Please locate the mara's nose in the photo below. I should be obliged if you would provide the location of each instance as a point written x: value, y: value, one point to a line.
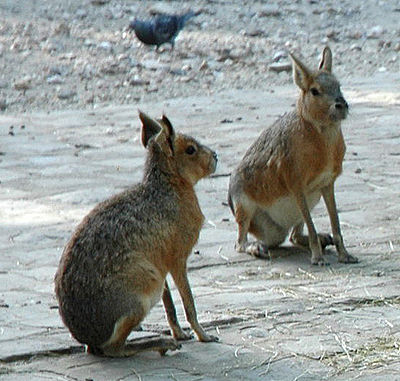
x: 341, y: 103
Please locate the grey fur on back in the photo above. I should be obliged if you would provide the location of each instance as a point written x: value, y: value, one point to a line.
x: 272, y: 142
x: 273, y: 139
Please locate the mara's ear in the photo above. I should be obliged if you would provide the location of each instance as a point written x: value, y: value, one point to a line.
x: 150, y: 128
x: 168, y: 124
x: 165, y: 139
x: 301, y: 74
x: 326, y: 60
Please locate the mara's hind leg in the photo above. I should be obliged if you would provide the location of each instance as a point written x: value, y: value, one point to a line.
x: 267, y: 230
x: 299, y: 239
x: 116, y: 347
x: 242, y: 245
x: 268, y: 233
x: 251, y: 219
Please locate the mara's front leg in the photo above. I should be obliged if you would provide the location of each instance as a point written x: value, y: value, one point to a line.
x: 177, y: 332
x: 182, y: 283
x: 328, y: 193
x: 314, y: 242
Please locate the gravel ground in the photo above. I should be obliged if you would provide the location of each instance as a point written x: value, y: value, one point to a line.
x: 80, y: 54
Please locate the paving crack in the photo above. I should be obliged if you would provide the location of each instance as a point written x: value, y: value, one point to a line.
x: 74, y: 349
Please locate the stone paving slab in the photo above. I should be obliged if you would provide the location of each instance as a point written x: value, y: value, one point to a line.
x: 281, y: 319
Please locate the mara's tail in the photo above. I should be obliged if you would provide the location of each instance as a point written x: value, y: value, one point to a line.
x: 230, y: 203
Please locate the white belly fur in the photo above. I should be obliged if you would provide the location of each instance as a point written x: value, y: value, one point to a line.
x: 285, y: 211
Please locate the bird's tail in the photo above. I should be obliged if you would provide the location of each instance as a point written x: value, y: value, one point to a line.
x: 188, y: 15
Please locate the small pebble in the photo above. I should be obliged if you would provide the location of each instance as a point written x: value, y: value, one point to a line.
x: 204, y: 65
x: 23, y: 83
x: 99, y: 2
x: 269, y: 11
x: 66, y: 94
x: 137, y: 81
x: 375, y: 32
x: 55, y: 80
x: 106, y: 46
x: 3, y: 104
x: 280, y: 67
x: 81, y: 13
x: 279, y: 55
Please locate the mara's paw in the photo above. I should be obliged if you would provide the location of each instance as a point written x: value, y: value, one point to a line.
x: 168, y: 345
x: 240, y: 248
x: 319, y: 261
x: 183, y: 336
x: 325, y: 239
x: 347, y: 258
x: 258, y: 249
x: 206, y: 338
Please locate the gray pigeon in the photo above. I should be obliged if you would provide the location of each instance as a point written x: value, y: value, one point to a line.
x: 161, y: 28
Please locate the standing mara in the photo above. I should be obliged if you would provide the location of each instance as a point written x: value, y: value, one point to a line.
x: 290, y: 166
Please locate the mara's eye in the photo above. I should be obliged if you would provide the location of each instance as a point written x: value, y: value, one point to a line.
x: 190, y: 150
x: 315, y: 92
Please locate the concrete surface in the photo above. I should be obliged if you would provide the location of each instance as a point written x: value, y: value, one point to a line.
x: 281, y: 319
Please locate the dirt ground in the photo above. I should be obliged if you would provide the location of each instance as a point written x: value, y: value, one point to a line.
x: 79, y: 54
x: 72, y: 79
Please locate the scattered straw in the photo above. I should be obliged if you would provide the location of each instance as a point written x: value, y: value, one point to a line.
x: 372, y: 355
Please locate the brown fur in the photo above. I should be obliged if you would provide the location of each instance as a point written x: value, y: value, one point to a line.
x: 113, y: 269
x: 287, y: 169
